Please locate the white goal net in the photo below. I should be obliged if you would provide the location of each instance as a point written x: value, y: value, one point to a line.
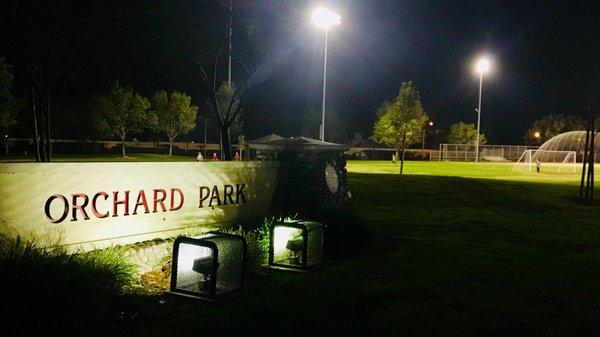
x: 548, y: 161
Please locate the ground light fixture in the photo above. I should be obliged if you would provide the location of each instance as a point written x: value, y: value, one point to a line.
x: 296, y: 245
x: 208, y: 267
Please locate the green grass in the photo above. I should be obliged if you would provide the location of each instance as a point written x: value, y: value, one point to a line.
x: 135, y: 157
x: 447, y: 249
x: 457, y: 249
x: 504, y: 171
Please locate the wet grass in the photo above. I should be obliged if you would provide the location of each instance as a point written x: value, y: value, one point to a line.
x: 457, y: 250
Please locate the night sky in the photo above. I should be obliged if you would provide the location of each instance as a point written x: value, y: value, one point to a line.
x: 543, y: 54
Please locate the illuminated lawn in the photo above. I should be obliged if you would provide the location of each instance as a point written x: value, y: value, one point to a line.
x: 504, y: 171
x: 458, y: 249
x: 135, y: 157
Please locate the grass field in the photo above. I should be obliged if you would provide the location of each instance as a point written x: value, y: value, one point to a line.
x: 457, y: 249
x: 135, y: 157
x: 504, y: 171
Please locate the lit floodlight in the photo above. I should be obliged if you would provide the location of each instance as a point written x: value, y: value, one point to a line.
x: 483, y: 66
x: 324, y: 18
x: 537, y: 134
x: 208, y: 266
x: 296, y: 245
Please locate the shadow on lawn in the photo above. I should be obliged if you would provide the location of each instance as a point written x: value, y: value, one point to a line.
x: 417, y: 255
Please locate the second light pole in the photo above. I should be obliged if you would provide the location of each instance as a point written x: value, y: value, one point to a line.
x: 324, y: 18
x: 483, y: 65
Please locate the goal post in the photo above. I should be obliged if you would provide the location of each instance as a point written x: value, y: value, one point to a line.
x: 550, y: 161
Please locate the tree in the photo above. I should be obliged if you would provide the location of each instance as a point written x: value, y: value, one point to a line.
x: 121, y: 111
x: 400, y: 121
x: 229, y: 87
x: 227, y: 102
x: 242, y: 143
x: 9, y: 104
x: 176, y: 116
x: 550, y: 126
x: 464, y: 133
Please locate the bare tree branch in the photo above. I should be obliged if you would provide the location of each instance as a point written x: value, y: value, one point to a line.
x: 238, y: 108
x: 216, y: 68
x: 245, y: 69
x: 204, y: 76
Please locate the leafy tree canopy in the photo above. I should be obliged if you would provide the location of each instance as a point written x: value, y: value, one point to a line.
x: 176, y: 115
x: 552, y: 125
x: 224, y: 100
x: 400, y: 121
x: 121, y: 111
x: 9, y: 104
x: 464, y: 133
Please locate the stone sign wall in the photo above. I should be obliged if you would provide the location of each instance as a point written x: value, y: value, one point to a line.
x: 94, y: 205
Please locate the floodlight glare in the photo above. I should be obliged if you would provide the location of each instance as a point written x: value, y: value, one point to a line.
x: 209, y: 266
x: 324, y: 18
x: 483, y: 66
x: 296, y: 245
x: 537, y: 134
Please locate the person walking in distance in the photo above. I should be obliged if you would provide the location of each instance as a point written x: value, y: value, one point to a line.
x: 538, y: 165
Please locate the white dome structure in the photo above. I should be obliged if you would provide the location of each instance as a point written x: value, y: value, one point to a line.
x: 570, y: 141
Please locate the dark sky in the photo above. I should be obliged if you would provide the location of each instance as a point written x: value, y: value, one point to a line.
x: 544, y: 53
x: 540, y: 53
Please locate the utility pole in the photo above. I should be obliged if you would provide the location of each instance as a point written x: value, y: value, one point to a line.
x: 230, y: 42
x: 478, y: 118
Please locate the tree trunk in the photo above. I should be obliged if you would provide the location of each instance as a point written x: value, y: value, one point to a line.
x: 402, y: 159
x: 402, y: 162
x: 225, y: 143
x: 123, y: 147
x: 585, y: 159
x: 43, y: 131
x: 36, y: 136
x: 170, y: 147
x: 48, y: 142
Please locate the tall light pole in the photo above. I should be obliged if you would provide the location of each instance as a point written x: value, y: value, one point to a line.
x: 230, y: 19
x: 428, y: 124
x: 483, y: 66
x: 324, y: 18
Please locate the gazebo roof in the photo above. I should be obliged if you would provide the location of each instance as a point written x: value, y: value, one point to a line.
x: 266, y: 138
x: 300, y: 143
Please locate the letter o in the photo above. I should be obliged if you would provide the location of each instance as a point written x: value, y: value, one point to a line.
x: 65, y: 212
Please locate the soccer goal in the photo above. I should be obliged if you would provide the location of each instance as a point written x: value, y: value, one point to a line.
x: 550, y: 161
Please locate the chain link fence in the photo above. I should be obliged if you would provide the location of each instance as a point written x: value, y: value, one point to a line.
x: 490, y: 153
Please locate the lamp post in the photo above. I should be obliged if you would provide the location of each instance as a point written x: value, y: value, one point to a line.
x: 537, y: 136
x: 324, y: 18
x: 483, y: 66
x: 428, y: 124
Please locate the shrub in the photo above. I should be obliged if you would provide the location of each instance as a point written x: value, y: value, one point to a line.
x: 49, y: 291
